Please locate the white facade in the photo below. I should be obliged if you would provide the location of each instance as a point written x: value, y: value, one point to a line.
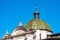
x: 39, y: 34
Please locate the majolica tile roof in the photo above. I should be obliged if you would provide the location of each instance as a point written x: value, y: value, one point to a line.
x: 38, y: 24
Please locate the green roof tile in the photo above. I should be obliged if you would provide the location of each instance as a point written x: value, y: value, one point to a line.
x: 39, y: 24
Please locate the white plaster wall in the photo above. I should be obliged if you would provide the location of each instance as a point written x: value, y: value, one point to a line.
x: 44, y: 34
x: 30, y: 36
x: 37, y: 34
x: 49, y: 33
x: 19, y: 38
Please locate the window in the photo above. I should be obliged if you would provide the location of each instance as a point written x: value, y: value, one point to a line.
x: 34, y: 37
x: 40, y: 36
x: 26, y: 38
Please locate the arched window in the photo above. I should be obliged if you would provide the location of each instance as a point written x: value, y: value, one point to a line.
x: 40, y: 36
x: 34, y: 37
x: 26, y: 38
x: 47, y: 35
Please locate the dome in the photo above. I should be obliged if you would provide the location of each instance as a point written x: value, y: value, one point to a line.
x: 19, y: 30
x: 37, y: 23
x: 7, y: 35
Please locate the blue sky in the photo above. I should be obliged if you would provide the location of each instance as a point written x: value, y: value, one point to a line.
x: 14, y: 11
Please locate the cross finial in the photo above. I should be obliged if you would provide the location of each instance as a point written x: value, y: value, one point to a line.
x: 20, y: 24
x: 36, y: 6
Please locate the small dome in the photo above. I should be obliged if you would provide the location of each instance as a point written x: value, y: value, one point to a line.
x: 38, y: 24
x: 7, y: 35
x: 19, y: 30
